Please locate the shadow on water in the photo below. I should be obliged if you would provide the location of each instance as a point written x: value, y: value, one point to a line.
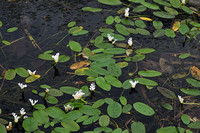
x: 46, y: 21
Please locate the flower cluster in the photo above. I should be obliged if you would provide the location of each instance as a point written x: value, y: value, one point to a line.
x: 31, y: 73
x: 133, y: 84
x: 16, y: 117
x: 68, y: 107
x: 22, y: 86
x: 111, y: 39
x: 78, y: 95
x: 92, y: 86
x: 33, y: 102
x: 56, y: 57
x: 126, y: 13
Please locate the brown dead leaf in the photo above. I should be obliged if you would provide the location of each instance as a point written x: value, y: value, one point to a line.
x: 195, y: 72
x: 80, y: 64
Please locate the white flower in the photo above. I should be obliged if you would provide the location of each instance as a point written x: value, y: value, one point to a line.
x: 130, y: 41
x: 33, y: 102
x: 78, y: 95
x: 133, y: 84
x: 31, y: 73
x: 68, y: 108
x: 92, y: 86
x: 183, y: 2
x: 9, y: 127
x: 110, y: 38
x: 126, y: 14
x: 113, y: 42
x: 56, y: 57
x: 25, y: 117
x: 180, y: 99
x: 22, y: 86
x: 22, y: 111
x: 16, y: 118
x: 47, y: 90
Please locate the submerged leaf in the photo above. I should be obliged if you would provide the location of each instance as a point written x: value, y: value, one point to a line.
x: 167, y: 93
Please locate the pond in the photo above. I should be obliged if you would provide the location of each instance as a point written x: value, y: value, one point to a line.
x: 100, y: 66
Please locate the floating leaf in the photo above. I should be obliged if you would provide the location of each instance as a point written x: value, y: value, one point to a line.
x: 63, y: 58
x: 75, y: 29
x: 163, y: 14
x: 51, y: 99
x: 55, y: 112
x: 114, y: 51
x: 127, y: 22
x: 99, y: 70
x: 80, y: 64
x: 71, y: 24
x: 98, y: 103
x: 139, y: 9
x: 138, y: 127
x: 103, y: 84
x: 71, y: 125
x: 195, y: 72
x: 144, y: 50
x: 6, y: 42
x: 162, y: 2
x: 143, y: 109
x: 12, y: 29
x: 142, y: 31
x: 114, y: 110
x: 82, y: 118
x: 113, y: 81
x: 167, y: 93
x: 73, y: 115
x: 60, y: 130
x: 171, y: 10
x: 45, y: 56
x: 90, y: 73
x: 117, y: 19
x: 123, y: 100
x: 3, y: 129
x: 41, y: 116
x: 126, y: 84
x: 175, y: 3
x: 90, y: 120
x: 114, y: 69
x: 122, y: 64
x: 81, y: 32
x: 110, y: 2
x: 195, y: 125
x: 106, y: 30
x: 159, y: 33
x: 91, y: 9
x: 122, y: 29
x: 187, y: 10
x: 185, y: 119
x: 170, y: 129
x: 126, y: 108
x: 170, y: 33
x: 88, y: 110
x: 68, y: 89
x: 179, y: 75
x: 193, y: 82
x: 147, y: 82
x: 150, y: 6
x: 104, y: 120
x: 157, y: 24
x: 30, y: 124
x: 184, y: 29
x: 176, y: 25
x: 22, y: 72
x: 140, y: 24
x: 75, y: 46
x: 10, y: 74
x: 1, y: 24
x: 193, y: 92
x: 183, y: 56
x: 167, y: 106
x: 109, y: 20
x: 138, y: 57
x: 32, y: 78
x: 55, y: 92
x: 149, y: 73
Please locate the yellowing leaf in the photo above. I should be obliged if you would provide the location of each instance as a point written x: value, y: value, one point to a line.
x: 179, y: 75
x: 81, y: 71
x: 80, y: 64
x: 32, y: 78
x: 145, y: 18
x: 176, y: 25
x: 195, y: 72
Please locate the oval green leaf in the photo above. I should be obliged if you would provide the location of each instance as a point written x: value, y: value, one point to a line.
x: 110, y: 2
x: 147, y: 82
x: 104, y: 120
x: 114, y: 110
x: 103, y: 84
x: 143, y: 109
x: 10, y: 74
x: 30, y: 124
x: 149, y: 73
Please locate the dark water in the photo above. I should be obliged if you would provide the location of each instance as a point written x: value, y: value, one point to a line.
x: 44, y: 18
